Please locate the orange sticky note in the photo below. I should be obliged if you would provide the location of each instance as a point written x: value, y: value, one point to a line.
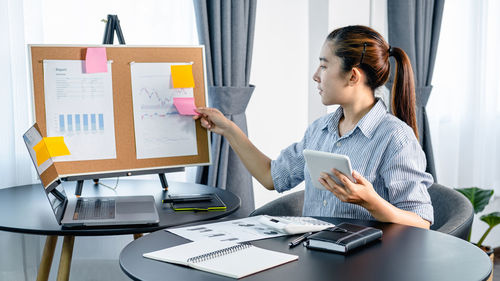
x: 185, y: 106
x: 56, y: 146
x: 50, y: 147
x: 96, y: 60
x: 42, y: 154
x: 182, y: 76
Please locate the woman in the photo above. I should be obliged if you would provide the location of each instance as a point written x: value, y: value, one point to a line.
x: 388, y: 162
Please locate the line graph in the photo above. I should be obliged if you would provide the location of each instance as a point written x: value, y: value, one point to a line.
x: 159, y: 129
x: 154, y: 99
x: 158, y: 115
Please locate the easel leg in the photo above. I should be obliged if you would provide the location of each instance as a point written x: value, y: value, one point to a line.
x: 137, y: 236
x: 163, y: 181
x: 66, y: 255
x: 47, y: 256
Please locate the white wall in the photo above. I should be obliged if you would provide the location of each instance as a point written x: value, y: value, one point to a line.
x: 288, y: 38
x: 277, y: 115
x: 146, y: 22
x: 372, y: 13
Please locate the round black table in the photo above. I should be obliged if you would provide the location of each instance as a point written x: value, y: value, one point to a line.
x: 405, y: 253
x: 29, y: 212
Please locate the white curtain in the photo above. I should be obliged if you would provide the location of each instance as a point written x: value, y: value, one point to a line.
x: 464, y: 109
x: 148, y: 22
x: 19, y: 257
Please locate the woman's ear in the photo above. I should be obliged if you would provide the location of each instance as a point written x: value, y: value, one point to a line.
x: 355, y: 76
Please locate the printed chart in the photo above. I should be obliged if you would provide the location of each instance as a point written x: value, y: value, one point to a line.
x: 240, y: 230
x: 93, y: 122
x: 159, y: 129
x: 79, y: 107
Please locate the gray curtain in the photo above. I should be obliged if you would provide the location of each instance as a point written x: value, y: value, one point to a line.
x: 226, y: 28
x: 414, y: 26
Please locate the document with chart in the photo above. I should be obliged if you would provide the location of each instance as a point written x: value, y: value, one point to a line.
x: 160, y: 131
x: 79, y: 107
x: 240, y: 230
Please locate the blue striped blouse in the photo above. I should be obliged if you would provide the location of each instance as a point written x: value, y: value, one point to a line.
x: 381, y: 147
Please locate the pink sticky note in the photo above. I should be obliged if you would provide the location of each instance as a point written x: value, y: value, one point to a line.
x: 96, y: 60
x: 185, y: 106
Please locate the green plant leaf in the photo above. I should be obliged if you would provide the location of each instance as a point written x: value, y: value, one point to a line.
x: 477, y: 196
x: 492, y: 219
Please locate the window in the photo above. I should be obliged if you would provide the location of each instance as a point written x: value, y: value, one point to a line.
x: 148, y: 22
x: 464, y: 106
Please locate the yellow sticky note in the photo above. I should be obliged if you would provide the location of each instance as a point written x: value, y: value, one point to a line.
x: 50, y: 147
x: 56, y: 146
x: 182, y: 76
x: 42, y: 154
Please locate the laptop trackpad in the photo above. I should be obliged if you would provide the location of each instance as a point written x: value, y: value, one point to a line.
x: 134, y: 207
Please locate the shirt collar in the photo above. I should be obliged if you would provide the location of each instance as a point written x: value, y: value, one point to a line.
x: 367, y: 124
x: 332, y: 121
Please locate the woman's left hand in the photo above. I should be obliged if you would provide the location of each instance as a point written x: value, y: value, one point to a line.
x: 360, y: 193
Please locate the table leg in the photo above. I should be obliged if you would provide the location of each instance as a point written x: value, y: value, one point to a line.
x: 137, y: 236
x: 66, y: 255
x: 47, y: 256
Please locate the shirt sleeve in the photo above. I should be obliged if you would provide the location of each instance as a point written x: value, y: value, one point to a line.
x: 406, y: 180
x: 287, y: 170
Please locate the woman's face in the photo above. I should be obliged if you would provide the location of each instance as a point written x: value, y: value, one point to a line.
x: 332, y: 81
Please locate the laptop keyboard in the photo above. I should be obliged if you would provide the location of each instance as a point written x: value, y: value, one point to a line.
x: 94, y: 208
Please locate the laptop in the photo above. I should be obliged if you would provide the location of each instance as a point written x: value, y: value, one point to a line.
x: 92, y: 211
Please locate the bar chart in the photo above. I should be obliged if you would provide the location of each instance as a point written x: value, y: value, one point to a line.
x: 79, y: 107
x: 77, y: 123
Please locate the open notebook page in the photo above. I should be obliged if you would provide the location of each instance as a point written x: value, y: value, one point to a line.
x: 224, y: 258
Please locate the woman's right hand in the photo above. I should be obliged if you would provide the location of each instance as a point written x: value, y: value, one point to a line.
x: 213, y: 120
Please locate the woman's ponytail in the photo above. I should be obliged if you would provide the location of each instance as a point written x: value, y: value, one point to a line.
x: 403, y: 89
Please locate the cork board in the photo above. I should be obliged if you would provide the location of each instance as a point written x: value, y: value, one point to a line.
x: 126, y: 162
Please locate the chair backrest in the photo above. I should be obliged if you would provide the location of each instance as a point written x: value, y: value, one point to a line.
x: 287, y: 205
x: 453, y: 212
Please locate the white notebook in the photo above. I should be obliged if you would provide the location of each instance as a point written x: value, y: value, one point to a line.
x: 223, y: 258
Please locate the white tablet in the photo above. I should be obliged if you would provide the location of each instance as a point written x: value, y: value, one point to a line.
x: 320, y: 161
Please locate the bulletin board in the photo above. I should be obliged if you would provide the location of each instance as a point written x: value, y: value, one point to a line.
x: 126, y: 161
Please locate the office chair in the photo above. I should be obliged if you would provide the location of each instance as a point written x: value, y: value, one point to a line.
x: 287, y: 205
x: 453, y: 213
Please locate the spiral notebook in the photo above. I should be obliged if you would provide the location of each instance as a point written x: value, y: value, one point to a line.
x: 223, y: 258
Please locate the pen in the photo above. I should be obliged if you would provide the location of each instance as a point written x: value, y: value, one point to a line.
x: 299, y: 240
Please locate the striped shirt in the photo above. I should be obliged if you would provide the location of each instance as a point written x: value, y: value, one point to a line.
x: 381, y: 147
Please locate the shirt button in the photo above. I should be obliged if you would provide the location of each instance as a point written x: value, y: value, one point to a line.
x: 338, y: 144
x: 324, y: 202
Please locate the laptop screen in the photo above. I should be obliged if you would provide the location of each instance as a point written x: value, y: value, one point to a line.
x: 31, y: 138
x: 56, y: 195
x: 57, y: 198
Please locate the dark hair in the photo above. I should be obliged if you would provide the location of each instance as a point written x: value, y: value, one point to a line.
x: 362, y: 47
